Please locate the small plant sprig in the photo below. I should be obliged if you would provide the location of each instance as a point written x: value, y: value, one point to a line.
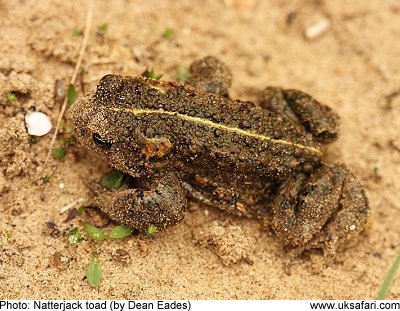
x: 77, y: 32
x: 94, y: 232
x: 151, y: 74
x: 151, y: 230
x: 97, y: 234
x: 45, y: 179
x: 102, y: 28
x: 112, y: 180
x: 11, y: 97
x: 183, y: 73
x: 74, y: 236
x: 71, y: 94
x: 58, y: 153
x: 67, y: 140
x: 387, y: 282
x: 168, y: 33
x: 94, y: 272
x: 120, y: 232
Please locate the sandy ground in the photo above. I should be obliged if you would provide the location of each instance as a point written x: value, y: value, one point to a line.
x: 352, y: 67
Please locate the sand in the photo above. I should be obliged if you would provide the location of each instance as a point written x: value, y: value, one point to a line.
x: 352, y: 66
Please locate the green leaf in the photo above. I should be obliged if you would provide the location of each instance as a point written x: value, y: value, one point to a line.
x: 71, y: 94
x: 11, y: 97
x: 74, y: 236
x: 77, y: 32
x: 387, y: 282
x: 151, y: 229
x: 80, y: 210
x: 94, y: 272
x: 64, y: 126
x: 183, y: 73
x: 63, y: 143
x: 120, y: 232
x: 58, y: 153
x: 112, y: 180
x: 102, y: 28
x: 151, y: 74
x: 94, y: 232
x: 46, y: 179
x: 168, y: 33
x: 389, y: 103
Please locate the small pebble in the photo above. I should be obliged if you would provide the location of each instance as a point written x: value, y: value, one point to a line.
x: 37, y: 123
x: 61, y: 185
x: 317, y: 30
x: 352, y: 227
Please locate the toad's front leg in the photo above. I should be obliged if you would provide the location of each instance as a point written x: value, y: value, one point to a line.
x: 160, y: 202
x: 210, y: 75
x: 324, y: 210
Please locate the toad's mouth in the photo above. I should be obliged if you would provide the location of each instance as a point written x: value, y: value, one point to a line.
x: 219, y: 126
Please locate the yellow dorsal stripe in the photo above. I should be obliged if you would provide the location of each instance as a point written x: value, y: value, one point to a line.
x: 139, y: 111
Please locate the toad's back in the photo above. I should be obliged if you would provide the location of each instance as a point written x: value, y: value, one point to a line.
x: 208, y: 135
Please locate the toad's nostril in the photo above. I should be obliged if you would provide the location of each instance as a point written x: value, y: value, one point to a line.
x: 101, y: 142
x: 108, y: 78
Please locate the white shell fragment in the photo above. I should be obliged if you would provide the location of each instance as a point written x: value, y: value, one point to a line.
x: 37, y: 123
x: 317, y: 30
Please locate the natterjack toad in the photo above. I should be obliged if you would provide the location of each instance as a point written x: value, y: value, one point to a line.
x: 259, y: 160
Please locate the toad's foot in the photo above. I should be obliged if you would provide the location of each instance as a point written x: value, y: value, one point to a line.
x: 300, y: 108
x: 159, y: 202
x: 324, y: 210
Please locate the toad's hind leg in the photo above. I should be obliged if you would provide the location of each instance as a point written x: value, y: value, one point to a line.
x: 300, y: 108
x: 324, y: 210
x: 210, y: 75
x: 159, y: 202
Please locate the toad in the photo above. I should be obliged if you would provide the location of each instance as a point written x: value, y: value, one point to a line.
x: 261, y: 160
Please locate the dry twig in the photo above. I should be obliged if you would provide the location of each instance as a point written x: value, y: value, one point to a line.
x: 73, y: 77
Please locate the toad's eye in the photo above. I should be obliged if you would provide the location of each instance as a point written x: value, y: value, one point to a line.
x: 99, y: 141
